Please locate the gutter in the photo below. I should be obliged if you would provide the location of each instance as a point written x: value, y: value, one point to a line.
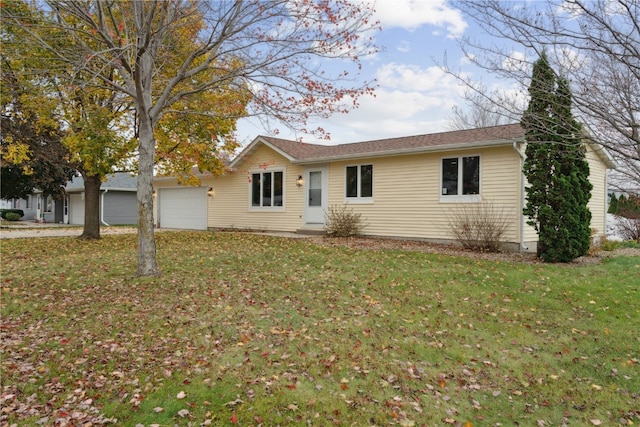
x: 102, y: 207
x: 522, y: 191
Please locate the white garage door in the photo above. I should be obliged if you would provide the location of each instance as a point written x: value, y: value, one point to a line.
x: 76, y: 209
x: 183, y: 208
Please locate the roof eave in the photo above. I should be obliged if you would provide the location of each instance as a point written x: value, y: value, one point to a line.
x: 604, y: 155
x: 408, y: 151
x: 102, y: 189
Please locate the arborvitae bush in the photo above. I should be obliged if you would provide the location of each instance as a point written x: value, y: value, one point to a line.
x: 556, y: 169
x: 613, y: 204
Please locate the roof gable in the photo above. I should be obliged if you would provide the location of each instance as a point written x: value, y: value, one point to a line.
x: 300, y: 152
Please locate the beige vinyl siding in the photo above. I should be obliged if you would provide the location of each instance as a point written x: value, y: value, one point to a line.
x: 406, y: 202
x: 406, y: 192
x: 598, y: 202
x: 530, y: 235
x: 230, y: 207
x: 501, y: 185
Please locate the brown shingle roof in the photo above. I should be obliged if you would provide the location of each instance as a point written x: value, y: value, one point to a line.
x: 300, y: 152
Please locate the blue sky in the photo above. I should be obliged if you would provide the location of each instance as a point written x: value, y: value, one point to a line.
x: 414, y: 96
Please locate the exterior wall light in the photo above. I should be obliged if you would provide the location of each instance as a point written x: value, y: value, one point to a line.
x: 299, y: 181
x: 211, y: 192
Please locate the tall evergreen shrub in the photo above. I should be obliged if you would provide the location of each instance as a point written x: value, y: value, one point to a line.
x: 556, y: 169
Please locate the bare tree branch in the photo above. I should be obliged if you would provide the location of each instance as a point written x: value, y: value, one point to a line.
x: 594, y: 44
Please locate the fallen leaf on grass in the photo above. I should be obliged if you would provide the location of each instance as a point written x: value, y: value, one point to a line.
x: 183, y: 413
x: 158, y: 409
x: 234, y: 402
x: 181, y: 395
x: 596, y: 422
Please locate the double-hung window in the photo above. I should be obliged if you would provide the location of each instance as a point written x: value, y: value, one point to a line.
x: 359, y: 183
x: 267, y: 189
x: 460, y: 179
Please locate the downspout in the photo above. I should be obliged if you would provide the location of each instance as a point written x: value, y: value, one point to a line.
x: 521, y: 202
x: 102, y: 207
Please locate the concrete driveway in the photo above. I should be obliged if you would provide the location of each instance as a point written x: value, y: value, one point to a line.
x: 28, y: 230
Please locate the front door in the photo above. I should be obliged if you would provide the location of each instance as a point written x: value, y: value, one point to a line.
x: 316, y: 196
x: 65, y: 210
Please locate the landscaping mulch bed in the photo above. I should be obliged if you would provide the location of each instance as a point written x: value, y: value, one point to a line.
x: 454, y: 250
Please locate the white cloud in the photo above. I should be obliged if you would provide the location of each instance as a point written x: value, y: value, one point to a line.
x: 517, y: 61
x: 413, y: 78
x: 411, y: 14
x: 403, y: 47
x: 570, y: 60
x: 569, y: 8
x: 410, y: 100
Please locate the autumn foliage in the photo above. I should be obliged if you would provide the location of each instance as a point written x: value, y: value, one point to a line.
x: 190, y: 69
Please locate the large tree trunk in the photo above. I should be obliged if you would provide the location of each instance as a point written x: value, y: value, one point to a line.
x: 147, y: 264
x: 143, y: 76
x: 92, y: 185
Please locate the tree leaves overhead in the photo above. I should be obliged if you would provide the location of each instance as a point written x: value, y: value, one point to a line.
x: 33, y: 156
x: 160, y: 54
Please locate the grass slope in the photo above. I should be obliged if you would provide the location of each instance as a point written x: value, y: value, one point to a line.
x: 254, y: 330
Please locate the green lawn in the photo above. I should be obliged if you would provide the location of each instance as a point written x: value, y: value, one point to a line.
x: 255, y: 330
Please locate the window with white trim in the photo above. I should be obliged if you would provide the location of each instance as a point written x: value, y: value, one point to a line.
x: 359, y: 182
x: 267, y: 189
x: 460, y: 177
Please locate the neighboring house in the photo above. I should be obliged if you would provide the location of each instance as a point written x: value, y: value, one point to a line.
x: 27, y: 205
x: 118, y: 201
x: 404, y: 187
x: 118, y: 204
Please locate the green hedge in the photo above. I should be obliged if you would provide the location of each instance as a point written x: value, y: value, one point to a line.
x: 4, y: 212
x: 12, y: 216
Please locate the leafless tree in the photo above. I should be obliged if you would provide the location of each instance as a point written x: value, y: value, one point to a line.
x: 595, y: 44
x: 480, y: 112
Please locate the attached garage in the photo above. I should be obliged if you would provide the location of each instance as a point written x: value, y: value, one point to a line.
x: 184, y: 207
